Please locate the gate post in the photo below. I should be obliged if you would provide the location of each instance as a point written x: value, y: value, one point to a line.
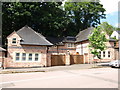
x: 68, y: 58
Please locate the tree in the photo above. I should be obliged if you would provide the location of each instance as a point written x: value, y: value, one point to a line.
x: 49, y: 19
x: 44, y: 17
x: 84, y: 14
x: 97, y: 41
x: 105, y: 26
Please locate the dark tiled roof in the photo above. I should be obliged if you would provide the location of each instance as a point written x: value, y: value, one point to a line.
x: 69, y: 39
x: 30, y: 37
x: 55, y: 40
x: 83, y: 35
x: 1, y: 49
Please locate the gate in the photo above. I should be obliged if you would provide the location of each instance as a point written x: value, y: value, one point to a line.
x: 58, y: 60
x: 76, y: 59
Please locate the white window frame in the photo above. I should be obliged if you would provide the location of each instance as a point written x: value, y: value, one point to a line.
x: 27, y: 57
x: 23, y: 57
x: 17, y: 56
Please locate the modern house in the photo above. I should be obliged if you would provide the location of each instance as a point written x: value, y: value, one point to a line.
x: 27, y: 48
x: 116, y: 35
x: 62, y: 45
x: 83, y: 49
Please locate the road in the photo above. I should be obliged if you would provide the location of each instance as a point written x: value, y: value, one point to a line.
x: 84, y: 78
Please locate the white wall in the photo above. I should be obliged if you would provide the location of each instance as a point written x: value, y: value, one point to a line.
x: 115, y: 34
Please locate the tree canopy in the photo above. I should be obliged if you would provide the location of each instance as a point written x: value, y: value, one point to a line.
x: 105, y: 26
x: 85, y: 14
x: 49, y: 19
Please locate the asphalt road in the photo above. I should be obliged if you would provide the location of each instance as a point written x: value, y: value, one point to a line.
x: 84, y: 78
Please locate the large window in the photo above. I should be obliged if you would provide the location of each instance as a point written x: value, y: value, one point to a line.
x: 17, y: 56
x: 26, y: 57
x: 14, y: 40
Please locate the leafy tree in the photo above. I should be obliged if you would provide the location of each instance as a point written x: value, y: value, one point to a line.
x: 49, y: 19
x: 97, y: 41
x: 44, y: 17
x: 107, y: 28
x: 84, y: 14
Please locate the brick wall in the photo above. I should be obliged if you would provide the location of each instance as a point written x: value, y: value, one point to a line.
x: 17, y: 48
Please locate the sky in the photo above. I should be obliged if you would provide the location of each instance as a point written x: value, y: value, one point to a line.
x: 112, y: 10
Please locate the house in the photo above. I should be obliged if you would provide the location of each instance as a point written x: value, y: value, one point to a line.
x: 83, y: 49
x: 116, y: 35
x: 27, y: 48
x: 62, y: 45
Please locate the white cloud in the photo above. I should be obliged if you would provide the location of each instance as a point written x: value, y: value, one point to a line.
x: 110, y: 5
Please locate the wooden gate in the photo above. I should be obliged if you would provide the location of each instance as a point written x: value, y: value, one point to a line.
x: 76, y: 59
x: 58, y: 60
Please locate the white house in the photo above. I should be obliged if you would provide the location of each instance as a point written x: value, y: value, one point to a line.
x: 115, y: 34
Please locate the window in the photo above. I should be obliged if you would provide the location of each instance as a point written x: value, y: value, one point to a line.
x: 27, y: 57
x: 70, y: 45
x: 17, y: 57
x: 108, y: 53
x: 30, y: 57
x: 36, y: 57
x: 99, y: 54
x: 14, y: 40
x: 103, y: 53
x: 23, y: 56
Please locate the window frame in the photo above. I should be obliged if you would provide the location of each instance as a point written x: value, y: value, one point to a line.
x: 27, y: 57
x: 14, y: 41
x: 17, y: 56
x: 70, y: 45
x: 24, y: 57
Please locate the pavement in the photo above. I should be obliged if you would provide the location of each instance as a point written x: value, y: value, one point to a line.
x: 53, y: 68
x: 80, y: 78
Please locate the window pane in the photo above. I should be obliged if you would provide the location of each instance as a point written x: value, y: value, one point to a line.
x: 36, y: 57
x: 23, y: 56
x: 103, y: 53
x: 108, y: 53
x: 17, y: 54
x: 14, y: 40
x: 30, y: 57
x: 17, y: 57
x: 100, y: 54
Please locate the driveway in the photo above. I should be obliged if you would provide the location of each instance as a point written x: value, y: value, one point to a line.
x: 83, y: 78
